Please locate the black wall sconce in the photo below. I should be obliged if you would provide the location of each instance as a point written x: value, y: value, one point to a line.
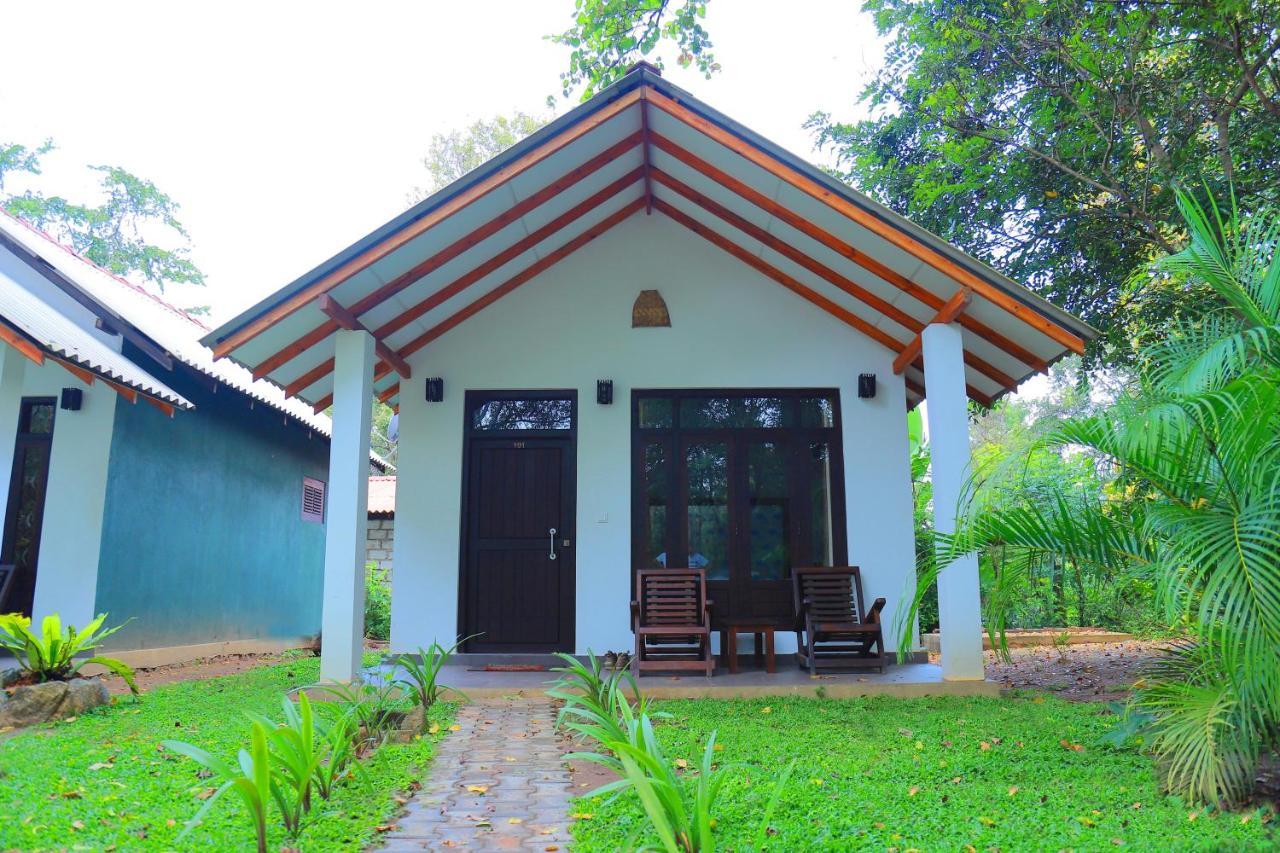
x: 72, y: 398
x: 866, y: 385
x: 435, y: 390
x: 604, y: 392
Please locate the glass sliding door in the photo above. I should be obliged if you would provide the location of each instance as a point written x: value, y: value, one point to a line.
x: 745, y: 484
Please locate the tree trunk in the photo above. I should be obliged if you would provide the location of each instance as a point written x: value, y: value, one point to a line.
x: 1059, y: 594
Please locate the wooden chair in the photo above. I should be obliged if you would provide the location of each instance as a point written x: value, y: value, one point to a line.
x: 671, y: 618
x: 833, y: 631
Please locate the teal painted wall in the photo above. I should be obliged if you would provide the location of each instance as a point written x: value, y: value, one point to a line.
x: 202, y: 537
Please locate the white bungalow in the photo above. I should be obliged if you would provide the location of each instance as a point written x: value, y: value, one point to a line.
x: 644, y: 336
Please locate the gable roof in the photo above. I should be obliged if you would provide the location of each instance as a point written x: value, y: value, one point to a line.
x: 147, y: 320
x: 38, y: 329
x: 643, y: 143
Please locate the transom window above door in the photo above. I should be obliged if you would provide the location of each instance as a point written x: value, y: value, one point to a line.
x: 744, y: 484
x: 499, y: 413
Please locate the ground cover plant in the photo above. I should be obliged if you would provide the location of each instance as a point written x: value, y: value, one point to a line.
x: 104, y: 779
x: 932, y: 774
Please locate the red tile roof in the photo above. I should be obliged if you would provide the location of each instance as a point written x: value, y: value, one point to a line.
x: 382, y: 497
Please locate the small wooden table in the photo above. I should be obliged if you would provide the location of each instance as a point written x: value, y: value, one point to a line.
x: 763, y: 634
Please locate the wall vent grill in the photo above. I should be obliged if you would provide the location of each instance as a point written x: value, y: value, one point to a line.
x: 312, y: 500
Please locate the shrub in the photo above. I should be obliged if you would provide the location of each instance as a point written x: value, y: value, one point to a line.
x: 377, y: 603
x: 51, y: 654
x: 421, y: 674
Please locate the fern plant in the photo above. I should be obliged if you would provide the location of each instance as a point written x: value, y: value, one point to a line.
x: 58, y: 653
x: 1194, y: 507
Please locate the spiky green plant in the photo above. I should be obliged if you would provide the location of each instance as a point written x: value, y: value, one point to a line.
x: 52, y: 654
x: 296, y: 753
x: 1194, y: 506
x: 419, y: 674
x: 250, y: 778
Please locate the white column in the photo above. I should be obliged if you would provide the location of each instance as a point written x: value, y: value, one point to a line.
x: 946, y: 409
x: 347, y: 517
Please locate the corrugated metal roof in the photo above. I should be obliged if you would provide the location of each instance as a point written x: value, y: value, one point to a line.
x: 173, y: 329
x: 54, y: 333
x: 427, y: 270
x: 382, y: 496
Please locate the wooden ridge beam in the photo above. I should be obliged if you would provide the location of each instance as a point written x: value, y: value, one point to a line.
x: 432, y: 217
x: 770, y: 271
x: 523, y: 276
x: 644, y: 141
x: 344, y: 318
x: 844, y: 249
x: 953, y: 308
x: 453, y: 250
x: 837, y: 202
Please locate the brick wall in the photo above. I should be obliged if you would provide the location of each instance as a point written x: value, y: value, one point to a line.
x: 379, y: 544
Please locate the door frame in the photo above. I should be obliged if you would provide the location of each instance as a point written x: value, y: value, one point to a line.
x: 470, y: 436
x: 23, y: 438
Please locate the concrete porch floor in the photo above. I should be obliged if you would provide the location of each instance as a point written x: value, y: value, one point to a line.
x: 905, y: 680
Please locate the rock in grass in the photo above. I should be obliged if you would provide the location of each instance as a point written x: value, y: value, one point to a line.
x: 36, y: 703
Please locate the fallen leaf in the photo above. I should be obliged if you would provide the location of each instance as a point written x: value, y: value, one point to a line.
x: 71, y: 795
x: 766, y: 710
x: 1074, y: 747
x: 582, y: 815
x: 682, y: 763
x: 986, y: 821
x: 913, y: 790
x: 1085, y: 821
x: 170, y: 822
x: 69, y: 719
x: 385, y: 827
x: 514, y: 820
x: 1119, y: 842
x: 455, y: 728
x: 478, y: 789
x: 549, y: 830
x: 815, y: 781
x: 77, y: 824
x: 508, y: 758
x: 718, y: 747
x: 551, y: 847
x: 100, y: 765
x: 984, y: 746
x: 1136, y: 806
x: 878, y: 825
x: 1193, y: 815
x: 1013, y: 790
x: 433, y: 729
x: 206, y: 793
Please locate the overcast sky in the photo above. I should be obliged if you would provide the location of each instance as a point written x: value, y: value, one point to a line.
x: 287, y: 131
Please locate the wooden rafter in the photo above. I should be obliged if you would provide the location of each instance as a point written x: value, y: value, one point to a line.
x: 792, y: 284
x: 161, y: 405
x: 18, y: 341
x: 344, y: 318
x: 453, y: 250
x: 868, y: 220
x: 842, y: 248
x: 953, y: 308
x: 478, y: 273
x: 831, y: 276
x: 523, y: 276
x: 530, y: 272
x: 130, y: 394
x: 437, y: 214
x: 84, y: 375
x: 389, y: 392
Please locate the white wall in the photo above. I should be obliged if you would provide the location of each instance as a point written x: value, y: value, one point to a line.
x: 731, y: 327
x: 71, y: 538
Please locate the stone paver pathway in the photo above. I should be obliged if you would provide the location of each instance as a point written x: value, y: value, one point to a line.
x: 496, y: 784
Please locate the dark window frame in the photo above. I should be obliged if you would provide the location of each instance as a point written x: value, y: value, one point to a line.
x: 674, y: 439
x: 474, y: 399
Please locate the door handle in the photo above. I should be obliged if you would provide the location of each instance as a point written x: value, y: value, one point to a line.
x: 552, y: 534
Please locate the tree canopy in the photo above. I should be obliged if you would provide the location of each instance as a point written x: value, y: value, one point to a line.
x: 607, y: 36
x: 119, y: 233
x: 1044, y: 137
x: 451, y: 155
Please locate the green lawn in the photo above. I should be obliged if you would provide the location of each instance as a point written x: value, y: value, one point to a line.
x: 928, y: 774
x: 103, y: 780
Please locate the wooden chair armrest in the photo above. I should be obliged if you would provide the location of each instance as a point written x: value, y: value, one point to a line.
x: 873, y: 615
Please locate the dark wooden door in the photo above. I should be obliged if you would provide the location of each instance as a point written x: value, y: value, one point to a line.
x: 518, y: 570
x: 24, y: 517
